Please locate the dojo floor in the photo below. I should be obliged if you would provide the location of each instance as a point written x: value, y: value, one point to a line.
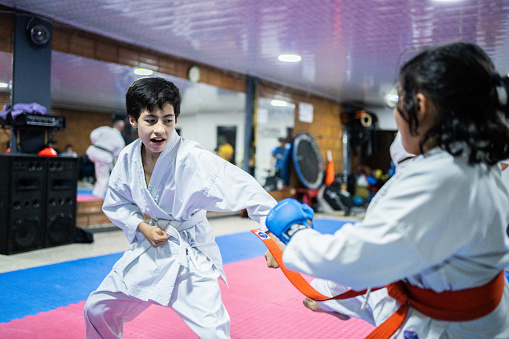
x: 43, y: 292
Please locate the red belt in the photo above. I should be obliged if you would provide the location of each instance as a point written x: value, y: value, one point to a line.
x: 463, y: 305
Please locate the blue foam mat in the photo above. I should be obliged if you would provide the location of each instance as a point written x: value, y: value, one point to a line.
x: 41, y: 289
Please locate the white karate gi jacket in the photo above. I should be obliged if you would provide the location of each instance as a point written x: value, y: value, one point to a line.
x: 439, y: 224
x: 186, y: 182
x: 108, y: 138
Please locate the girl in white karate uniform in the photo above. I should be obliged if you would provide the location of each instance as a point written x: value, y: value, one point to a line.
x: 440, y: 226
x: 174, y: 260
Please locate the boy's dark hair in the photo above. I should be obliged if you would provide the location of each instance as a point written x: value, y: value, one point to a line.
x: 148, y: 93
x: 470, y: 97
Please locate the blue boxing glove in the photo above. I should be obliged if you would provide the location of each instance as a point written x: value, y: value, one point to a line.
x: 287, y: 218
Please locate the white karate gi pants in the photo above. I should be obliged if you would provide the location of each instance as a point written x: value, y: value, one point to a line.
x: 102, y: 175
x: 196, y: 298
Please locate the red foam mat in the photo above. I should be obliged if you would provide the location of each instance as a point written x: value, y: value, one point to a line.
x: 260, y: 301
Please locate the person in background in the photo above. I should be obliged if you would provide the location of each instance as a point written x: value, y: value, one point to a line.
x: 224, y: 149
x: 435, y: 237
x: 53, y: 144
x: 107, y: 142
x: 69, y: 152
x: 278, y: 157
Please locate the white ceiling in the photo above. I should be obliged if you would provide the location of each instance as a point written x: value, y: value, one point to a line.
x: 351, y: 49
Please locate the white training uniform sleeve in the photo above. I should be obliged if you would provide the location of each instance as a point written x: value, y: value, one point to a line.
x: 121, y: 211
x: 216, y: 185
x: 235, y: 189
x: 119, y: 203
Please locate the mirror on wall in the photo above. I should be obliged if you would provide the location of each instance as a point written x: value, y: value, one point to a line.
x: 93, y: 85
x: 275, y: 120
x: 207, y: 113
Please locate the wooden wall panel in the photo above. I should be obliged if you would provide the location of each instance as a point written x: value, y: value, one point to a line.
x: 106, y: 52
x: 81, y: 46
x: 6, y: 30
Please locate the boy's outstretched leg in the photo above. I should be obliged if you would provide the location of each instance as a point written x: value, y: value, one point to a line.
x: 197, y: 298
x: 109, y: 307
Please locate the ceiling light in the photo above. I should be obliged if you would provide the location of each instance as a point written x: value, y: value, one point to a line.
x: 279, y: 103
x: 143, y: 71
x: 289, y: 58
x: 3, y: 85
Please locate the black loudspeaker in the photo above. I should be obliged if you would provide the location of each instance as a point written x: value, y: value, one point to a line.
x: 37, y: 202
x: 23, y: 213
x: 31, y: 140
x: 62, y: 181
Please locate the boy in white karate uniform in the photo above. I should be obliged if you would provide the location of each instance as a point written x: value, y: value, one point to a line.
x: 174, y: 260
x: 436, y: 234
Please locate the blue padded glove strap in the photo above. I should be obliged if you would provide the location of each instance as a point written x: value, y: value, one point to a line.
x: 288, y: 217
x: 290, y: 231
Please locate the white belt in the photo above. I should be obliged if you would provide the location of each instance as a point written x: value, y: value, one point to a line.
x: 180, y: 225
x: 173, y: 228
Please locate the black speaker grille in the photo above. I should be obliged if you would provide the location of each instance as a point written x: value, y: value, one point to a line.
x: 24, y: 233
x: 61, y: 201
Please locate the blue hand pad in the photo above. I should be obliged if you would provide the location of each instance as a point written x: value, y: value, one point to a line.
x: 288, y: 217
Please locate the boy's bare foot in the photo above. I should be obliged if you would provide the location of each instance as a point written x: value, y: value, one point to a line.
x: 313, y: 306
